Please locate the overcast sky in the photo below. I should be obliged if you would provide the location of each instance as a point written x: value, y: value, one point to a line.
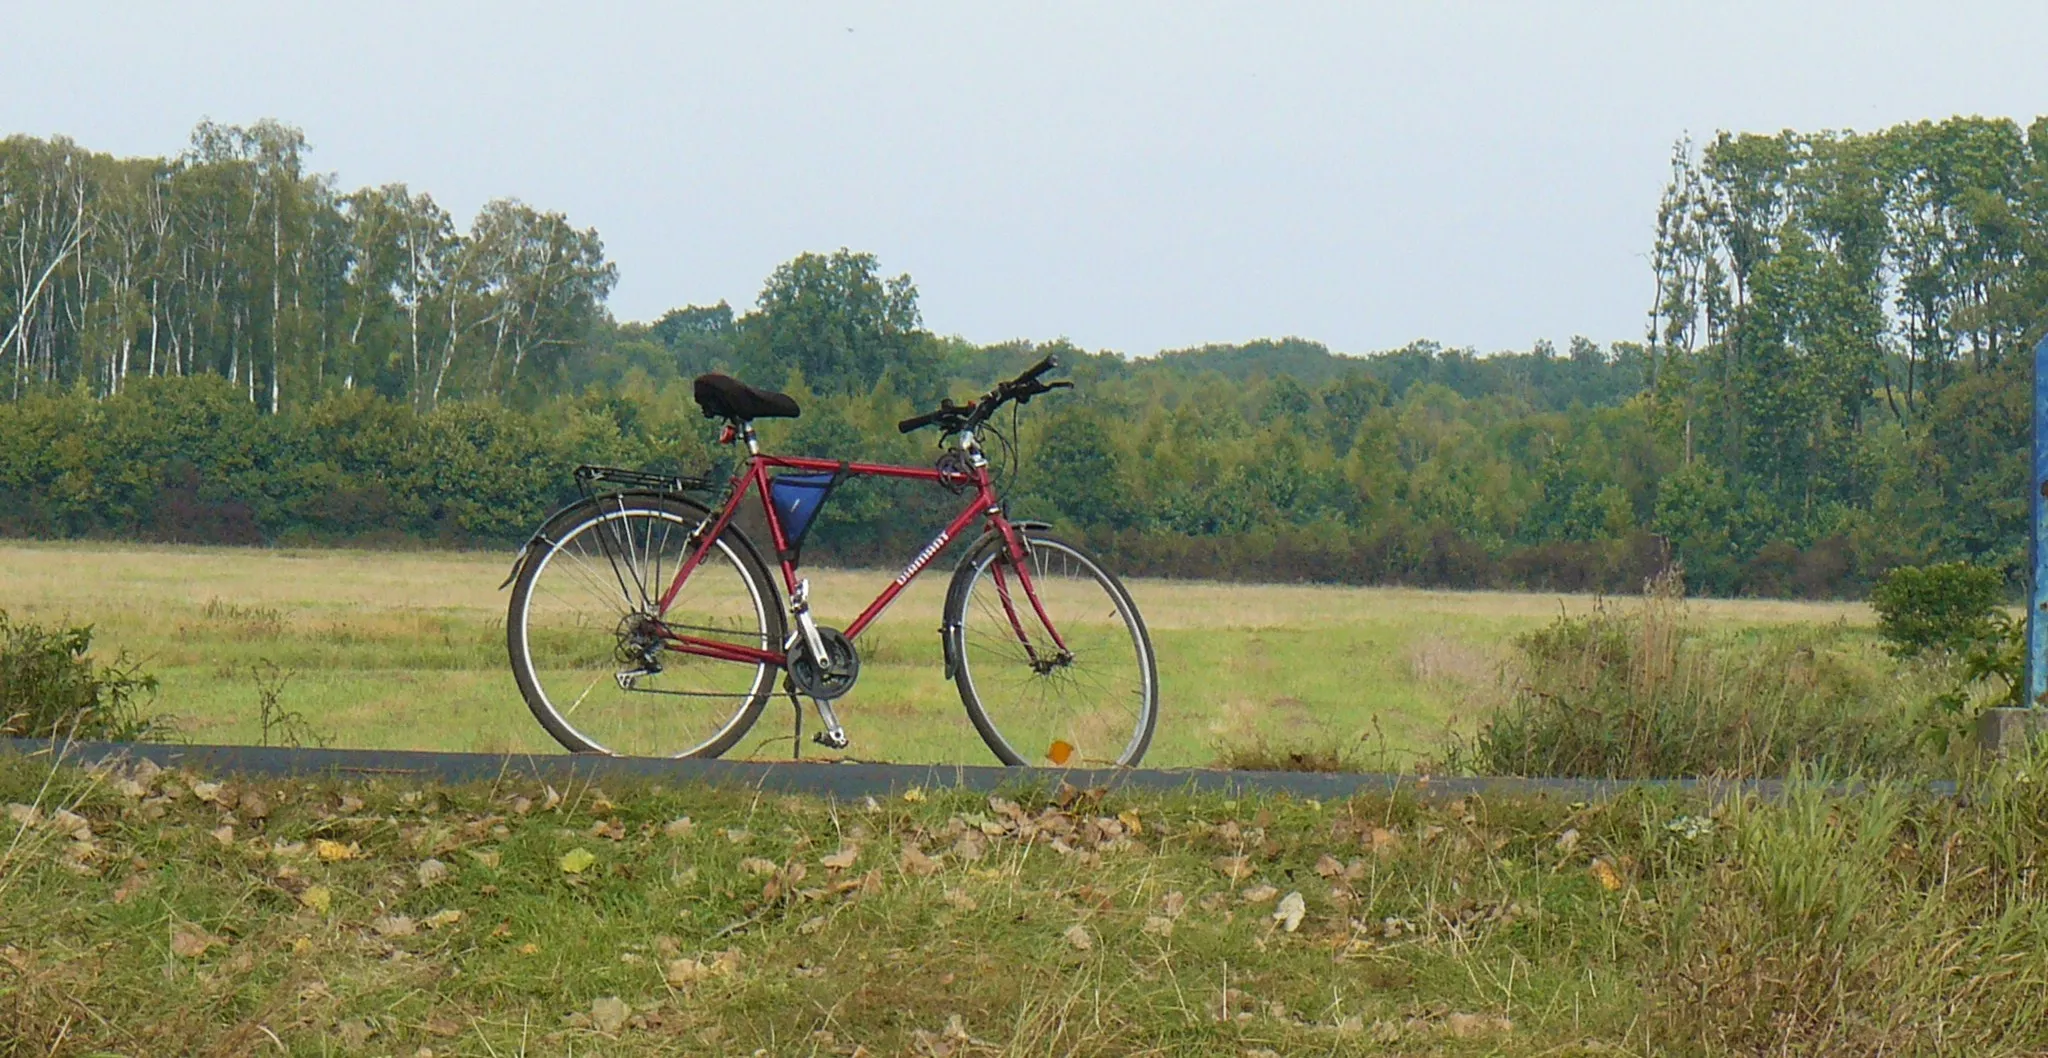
x: 1130, y: 176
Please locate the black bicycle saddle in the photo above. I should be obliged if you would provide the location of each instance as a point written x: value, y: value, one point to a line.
x: 725, y: 397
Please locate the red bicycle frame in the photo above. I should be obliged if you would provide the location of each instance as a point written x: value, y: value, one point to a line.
x: 984, y: 504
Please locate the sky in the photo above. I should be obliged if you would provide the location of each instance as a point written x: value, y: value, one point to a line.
x: 1130, y: 176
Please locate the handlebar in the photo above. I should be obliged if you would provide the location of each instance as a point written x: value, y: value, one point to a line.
x: 956, y: 417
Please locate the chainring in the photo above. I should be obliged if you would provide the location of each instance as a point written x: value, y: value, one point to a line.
x: 844, y: 665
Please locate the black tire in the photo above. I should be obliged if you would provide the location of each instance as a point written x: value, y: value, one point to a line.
x: 580, y: 618
x: 1102, y: 701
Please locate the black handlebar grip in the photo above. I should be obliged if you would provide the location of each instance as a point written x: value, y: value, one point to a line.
x: 1039, y: 368
x: 919, y: 422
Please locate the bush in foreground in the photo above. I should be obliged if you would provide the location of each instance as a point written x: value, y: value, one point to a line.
x: 50, y: 687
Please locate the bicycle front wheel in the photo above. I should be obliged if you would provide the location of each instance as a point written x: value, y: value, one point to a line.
x: 591, y: 644
x: 1052, y: 660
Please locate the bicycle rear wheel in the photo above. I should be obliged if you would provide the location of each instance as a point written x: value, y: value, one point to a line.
x: 586, y: 630
x: 1060, y: 672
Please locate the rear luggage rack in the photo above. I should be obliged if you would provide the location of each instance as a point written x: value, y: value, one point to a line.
x: 589, y: 476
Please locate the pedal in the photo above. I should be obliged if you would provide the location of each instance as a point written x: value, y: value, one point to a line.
x: 833, y: 736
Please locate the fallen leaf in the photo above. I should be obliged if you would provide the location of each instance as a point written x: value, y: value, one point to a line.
x: 678, y: 828
x: 22, y: 815
x: 736, y: 835
x: 1077, y: 937
x: 393, y: 926
x: 253, y: 806
x: 914, y: 862
x: 611, y: 829
x: 1603, y: 872
x: 443, y: 1025
x: 318, y: 897
x: 206, y: 791
x: 914, y: 795
x: 1129, y: 818
x: 334, y: 851
x: 189, y: 941
x: 355, y: 1032
x: 1290, y: 912
x: 608, y: 1015
x: 1567, y: 841
x: 1382, y: 841
x: 130, y: 887
x: 811, y: 925
x: 1158, y: 926
x: 224, y: 835
x: 1259, y: 894
x: 758, y: 867
x: 522, y: 805
x: 1467, y: 1026
x: 445, y: 917
x: 1235, y: 868
x: 72, y: 824
x: 1059, y: 752
x: 577, y: 860
x: 485, y: 857
x: 431, y: 873
x: 529, y: 948
x: 1173, y: 903
x: 958, y: 900
x: 1328, y: 866
x: 842, y: 859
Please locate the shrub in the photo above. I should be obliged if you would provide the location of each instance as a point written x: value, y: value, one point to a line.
x: 1650, y: 694
x: 51, y: 688
x: 1948, y: 607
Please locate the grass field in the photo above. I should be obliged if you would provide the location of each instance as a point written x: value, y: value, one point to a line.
x: 406, y: 650
x: 148, y: 914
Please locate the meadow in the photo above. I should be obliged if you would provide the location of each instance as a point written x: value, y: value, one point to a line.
x: 405, y: 649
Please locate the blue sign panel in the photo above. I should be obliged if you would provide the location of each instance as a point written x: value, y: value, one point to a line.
x: 2037, y: 586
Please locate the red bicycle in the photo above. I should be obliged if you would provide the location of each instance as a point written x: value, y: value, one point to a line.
x: 646, y: 623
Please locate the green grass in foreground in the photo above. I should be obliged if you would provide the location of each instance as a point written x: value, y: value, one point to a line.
x: 156, y: 914
x: 406, y: 650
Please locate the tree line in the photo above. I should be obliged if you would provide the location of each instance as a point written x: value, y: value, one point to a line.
x: 1833, y: 382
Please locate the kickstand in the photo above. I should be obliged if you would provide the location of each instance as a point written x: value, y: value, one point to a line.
x: 796, y: 742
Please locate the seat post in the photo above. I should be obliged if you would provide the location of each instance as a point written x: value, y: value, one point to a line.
x: 753, y: 443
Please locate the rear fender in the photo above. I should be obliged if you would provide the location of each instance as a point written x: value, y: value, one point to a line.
x: 963, y: 575
x: 545, y: 536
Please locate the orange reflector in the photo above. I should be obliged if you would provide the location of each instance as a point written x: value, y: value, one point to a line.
x: 1058, y: 752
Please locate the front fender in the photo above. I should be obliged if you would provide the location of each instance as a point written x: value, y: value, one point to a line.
x: 949, y: 629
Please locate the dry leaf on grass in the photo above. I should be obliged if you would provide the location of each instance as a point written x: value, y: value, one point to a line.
x: 1158, y: 926
x: 577, y: 860
x: 224, y: 835
x: 1235, y: 868
x: 189, y: 941
x: 445, y: 917
x: 914, y: 795
x: 611, y: 829
x: 1173, y: 903
x: 608, y: 1014
x: 442, y: 1024
x: 914, y: 862
x: 485, y: 857
x: 318, y: 897
x: 1289, y: 913
x: 355, y: 1032
x: 1603, y: 872
x: 758, y: 867
x: 1259, y: 894
x: 842, y: 859
x: 1078, y: 938
x: 130, y: 887
x: 331, y: 851
x: 393, y: 926
x: 958, y: 900
x: 1328, y: 866
x: 678, y: 828
x: 431, y: 873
